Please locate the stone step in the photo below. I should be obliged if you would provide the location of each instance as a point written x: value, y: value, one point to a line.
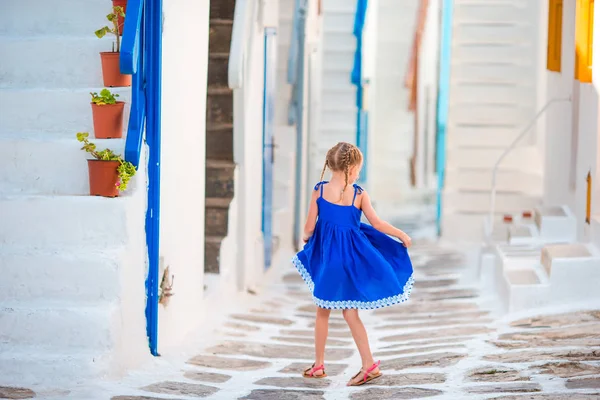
x: 80, y: 276
x: 59, y: 112
x: 220, y: 179
x: 212, y: 250
x: 492, y: 30
x: 494, y: 71
x: 30, y: 365
x: 338, y: 20
x: 574, y: 271
x: 72, y: 18
x: 340, y: 61
x: 334, y: 7
x: 220, y: 35
x: 482, y: 136
x: 493, y: 11
x: 218, y: 65
x: 72, y: 326
x: 556, y: 224
x: 472, y: 91
x: 44, y: 166
x: 481, y: 179
x: 339, y: 41
x: 217, y: 216
x: 219, y: 142
x: 479, y: 201
x: 52, y: 62
x: 516, y: 51
x: 222, y: 9
x: 472, y: 113
x: 524, y: 158
x: 219, y: 106
x: 70, y: 221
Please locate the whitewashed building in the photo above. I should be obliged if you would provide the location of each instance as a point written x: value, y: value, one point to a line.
x: 517, y: 143
x: 209, y: 209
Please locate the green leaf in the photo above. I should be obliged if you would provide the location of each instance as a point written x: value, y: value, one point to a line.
x: 100, y: 33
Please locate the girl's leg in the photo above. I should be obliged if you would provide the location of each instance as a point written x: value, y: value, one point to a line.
x: 321, y: 330
x: 359, y: 333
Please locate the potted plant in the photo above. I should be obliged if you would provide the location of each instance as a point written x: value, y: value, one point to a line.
x: 123, y: 5
x: 107, y: 113
x: 108, y: 172
x: 111, y: 71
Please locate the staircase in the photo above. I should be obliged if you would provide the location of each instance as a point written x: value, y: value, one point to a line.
x: 338, y: 95
x: 219, y: 134
x: 73, y: 267
x: 492, y: 98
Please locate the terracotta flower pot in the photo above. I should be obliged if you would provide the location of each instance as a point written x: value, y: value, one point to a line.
x: 108, y: 120
x: 111, y: 72
x: 104, y: 178
x: 121, y: 3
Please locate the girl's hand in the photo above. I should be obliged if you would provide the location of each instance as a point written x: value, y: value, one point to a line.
x: 305, y: 239
x: 406, y: 240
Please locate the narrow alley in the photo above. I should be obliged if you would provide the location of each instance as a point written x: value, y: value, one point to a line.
x: 450, y: 341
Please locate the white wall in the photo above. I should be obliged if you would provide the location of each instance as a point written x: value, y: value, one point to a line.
x: 427, y: 96
x: 391, y: 124
x: 559, y: 123
x: 185, y: 65
x: 572, y: 130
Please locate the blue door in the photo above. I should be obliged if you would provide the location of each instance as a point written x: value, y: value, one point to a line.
x: 270, y: 71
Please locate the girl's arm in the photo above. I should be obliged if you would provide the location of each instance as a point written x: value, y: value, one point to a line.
x: 380, y: 224
x: 311, y: 218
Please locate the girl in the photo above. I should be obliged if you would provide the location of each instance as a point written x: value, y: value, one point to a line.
x: 349, y: 265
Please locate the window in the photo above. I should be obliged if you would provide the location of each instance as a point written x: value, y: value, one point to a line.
x: 555, y: 17
x: 584, y: 31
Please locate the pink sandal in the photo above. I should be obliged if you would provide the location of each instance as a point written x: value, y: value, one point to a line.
x: 368, y: 377
x: 310, y: 372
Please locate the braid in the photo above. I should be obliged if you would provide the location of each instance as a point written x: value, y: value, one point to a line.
x: 346, y: 166
x: 324, y: 168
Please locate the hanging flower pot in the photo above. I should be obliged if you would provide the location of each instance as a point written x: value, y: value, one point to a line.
x: 107, y: 113
x: 104, y: 178
x: 111, y: 71
x: 123, y: 5
x: 108, y: 172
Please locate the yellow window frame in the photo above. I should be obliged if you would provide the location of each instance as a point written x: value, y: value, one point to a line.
x: 584, y: 40
x: 554, y: 50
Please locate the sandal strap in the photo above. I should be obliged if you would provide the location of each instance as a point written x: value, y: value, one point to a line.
x: 315, y: 369
x: 373, y: 367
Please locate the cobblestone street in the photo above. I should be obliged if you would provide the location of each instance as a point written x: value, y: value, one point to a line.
x: 444, y: 344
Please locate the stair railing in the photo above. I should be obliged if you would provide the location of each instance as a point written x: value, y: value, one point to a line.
x: 490, y: 223
x: 141, y: 54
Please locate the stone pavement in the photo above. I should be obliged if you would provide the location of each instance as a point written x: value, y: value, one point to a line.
x: 445, y: 343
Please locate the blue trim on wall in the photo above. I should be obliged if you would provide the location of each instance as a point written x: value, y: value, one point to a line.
x: 269, y: 92
x: 141, y: 55
x: 443, y: 104
x: 356, y: 77
x: 153, y: 138
x: 296, y: 110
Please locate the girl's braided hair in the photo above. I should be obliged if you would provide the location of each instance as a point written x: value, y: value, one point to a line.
x: 341, y: 158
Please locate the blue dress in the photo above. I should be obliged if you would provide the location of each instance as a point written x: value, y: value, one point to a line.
x: 348, y: 264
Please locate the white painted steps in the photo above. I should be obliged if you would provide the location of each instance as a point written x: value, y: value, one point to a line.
x: 30, y: 165
x: 54, y: 112
x: 74, y: 18
x: 72, y: 293
x: 337, y: 113
x: 492, y: 98
x: 51, y: 62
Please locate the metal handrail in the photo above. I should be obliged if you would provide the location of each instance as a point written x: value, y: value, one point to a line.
x: 505, y: 153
